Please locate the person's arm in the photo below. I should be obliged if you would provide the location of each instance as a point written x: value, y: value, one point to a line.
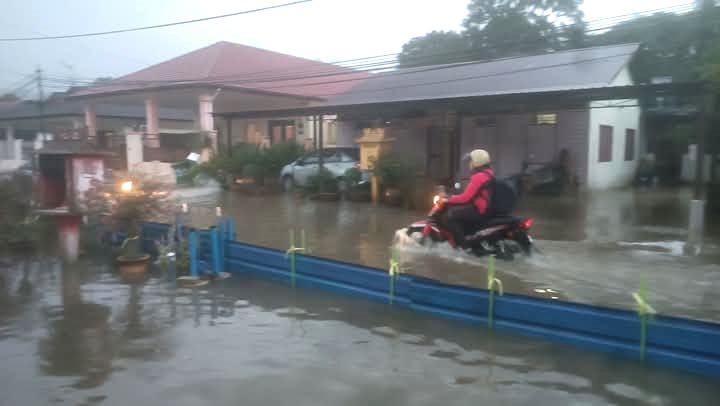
x: 476, y: 182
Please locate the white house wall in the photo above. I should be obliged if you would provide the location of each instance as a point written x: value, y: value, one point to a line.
x: 620, y: 115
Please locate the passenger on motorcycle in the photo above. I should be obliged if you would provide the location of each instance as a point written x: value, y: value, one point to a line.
x: 471, y: 206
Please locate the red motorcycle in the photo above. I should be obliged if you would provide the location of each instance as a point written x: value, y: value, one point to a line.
x: 502, y: 235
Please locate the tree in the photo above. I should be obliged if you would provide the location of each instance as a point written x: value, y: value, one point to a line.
x: 434, y: 48
x: 500, y: 28
x: 668, y: 45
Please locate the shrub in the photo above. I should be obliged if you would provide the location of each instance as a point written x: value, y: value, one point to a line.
x: 248, y: 160
x: 322, y: 182
x: 395, y: 173
x: 125, y: 211
x: 353, y: 176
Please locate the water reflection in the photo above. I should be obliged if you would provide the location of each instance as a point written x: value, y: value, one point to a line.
x: 595, y: 247
x: 79, y: 339
x: 225, y: 342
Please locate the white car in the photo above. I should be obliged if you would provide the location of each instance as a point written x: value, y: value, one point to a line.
x: 335, y: 160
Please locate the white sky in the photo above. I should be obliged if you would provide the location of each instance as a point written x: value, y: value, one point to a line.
x: 328, y: 30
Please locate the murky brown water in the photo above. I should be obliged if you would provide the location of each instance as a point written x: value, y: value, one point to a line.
x: 77, y: 335
x: 595, y: 248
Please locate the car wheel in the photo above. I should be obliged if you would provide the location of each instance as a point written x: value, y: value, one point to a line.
x: 288, y: 184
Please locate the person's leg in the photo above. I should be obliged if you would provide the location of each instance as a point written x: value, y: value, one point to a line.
x: 458, y: 218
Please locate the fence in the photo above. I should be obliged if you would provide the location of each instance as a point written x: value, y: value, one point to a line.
x: 685, y: 344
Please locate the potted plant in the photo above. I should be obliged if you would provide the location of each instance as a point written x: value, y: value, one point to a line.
x: 397, y: 178
x: 322, y: 186
x: 356, y: 190
x: 124, y: 207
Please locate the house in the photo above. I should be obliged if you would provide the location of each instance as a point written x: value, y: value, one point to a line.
x: 226, y: 77
x: 25, y: 126
x: 524, y: 110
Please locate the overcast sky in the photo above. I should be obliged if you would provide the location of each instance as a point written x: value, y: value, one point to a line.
x: 328, y: 30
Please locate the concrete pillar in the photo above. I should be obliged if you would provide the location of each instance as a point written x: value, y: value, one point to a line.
x: 39, y: 141
x: 133, y: 149
x: 152, y: 124
x: 696, y: 226
x: 17, y: 149
x: 91, y: 123
x: 69, y: 236
x: 206, y: 120
x: 9, y: 142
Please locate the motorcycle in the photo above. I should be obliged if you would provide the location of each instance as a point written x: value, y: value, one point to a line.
x: 502, y: 236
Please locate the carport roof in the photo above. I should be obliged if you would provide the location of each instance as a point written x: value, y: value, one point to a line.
x: 59, y: 108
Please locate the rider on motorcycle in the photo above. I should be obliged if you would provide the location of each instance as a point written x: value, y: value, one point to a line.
x: 471, y: 206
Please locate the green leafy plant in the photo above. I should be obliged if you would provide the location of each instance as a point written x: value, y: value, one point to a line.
x: 352, y: 176
x: 125, y: 210
x: 248, y: 160
x: 395, y: 173
x: 19, y: 225
x: 270, y: 161
x: 322, y: 182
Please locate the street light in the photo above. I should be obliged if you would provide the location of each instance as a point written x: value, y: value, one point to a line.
x: 126, y: 186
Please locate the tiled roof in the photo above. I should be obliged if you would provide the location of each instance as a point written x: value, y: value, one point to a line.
x: 238, y: 66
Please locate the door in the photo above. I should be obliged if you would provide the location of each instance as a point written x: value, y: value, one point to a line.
x: 281, y: 130
x: 541, y: 144
x: 439, y: 147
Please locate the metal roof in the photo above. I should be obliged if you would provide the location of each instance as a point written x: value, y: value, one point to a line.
x: 58, y: 108
x: 565, y: 70
x: 72, y: 147
x: 555, y: 79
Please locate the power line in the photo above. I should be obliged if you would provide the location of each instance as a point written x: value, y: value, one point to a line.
x: 363, y: 64
x: 285, y: 79
x: 95, y: 34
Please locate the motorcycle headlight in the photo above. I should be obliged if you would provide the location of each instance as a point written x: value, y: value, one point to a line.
x: 436, y: 199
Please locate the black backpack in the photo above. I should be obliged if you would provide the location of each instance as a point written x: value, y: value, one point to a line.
x: 503, y: 197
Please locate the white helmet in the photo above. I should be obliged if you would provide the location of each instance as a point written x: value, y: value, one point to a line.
x: 479, y: 157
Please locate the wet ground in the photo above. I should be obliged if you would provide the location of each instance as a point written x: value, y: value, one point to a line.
x: 78, y: 335
x: 594, y: 248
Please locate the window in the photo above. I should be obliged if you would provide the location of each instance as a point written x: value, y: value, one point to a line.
x: 311, y: 158
x: 545, y: 119
x: 629, y: 144
x: 606, y: 144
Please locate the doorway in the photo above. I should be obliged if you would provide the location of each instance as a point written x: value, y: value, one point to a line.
x: 281, y: 130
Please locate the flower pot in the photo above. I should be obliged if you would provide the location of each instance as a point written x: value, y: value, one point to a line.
x: 133, y: 265
x: 328, y: 197
x: 393, y: 196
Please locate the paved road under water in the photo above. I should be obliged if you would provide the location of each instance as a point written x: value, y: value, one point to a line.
x: 77, y: 335
x: 595, y: 248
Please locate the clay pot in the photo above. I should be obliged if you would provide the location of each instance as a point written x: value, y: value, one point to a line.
x: 393, y: 196
x: 328, y: 197
x: 133, y: 266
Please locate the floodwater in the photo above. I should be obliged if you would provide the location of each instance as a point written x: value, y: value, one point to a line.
x: 594, y: 248
x: 78, y: 335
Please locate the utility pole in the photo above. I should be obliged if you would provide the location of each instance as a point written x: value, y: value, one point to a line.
x: 706, y: 106
x: 41, y: 99
x: 696, y: 221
